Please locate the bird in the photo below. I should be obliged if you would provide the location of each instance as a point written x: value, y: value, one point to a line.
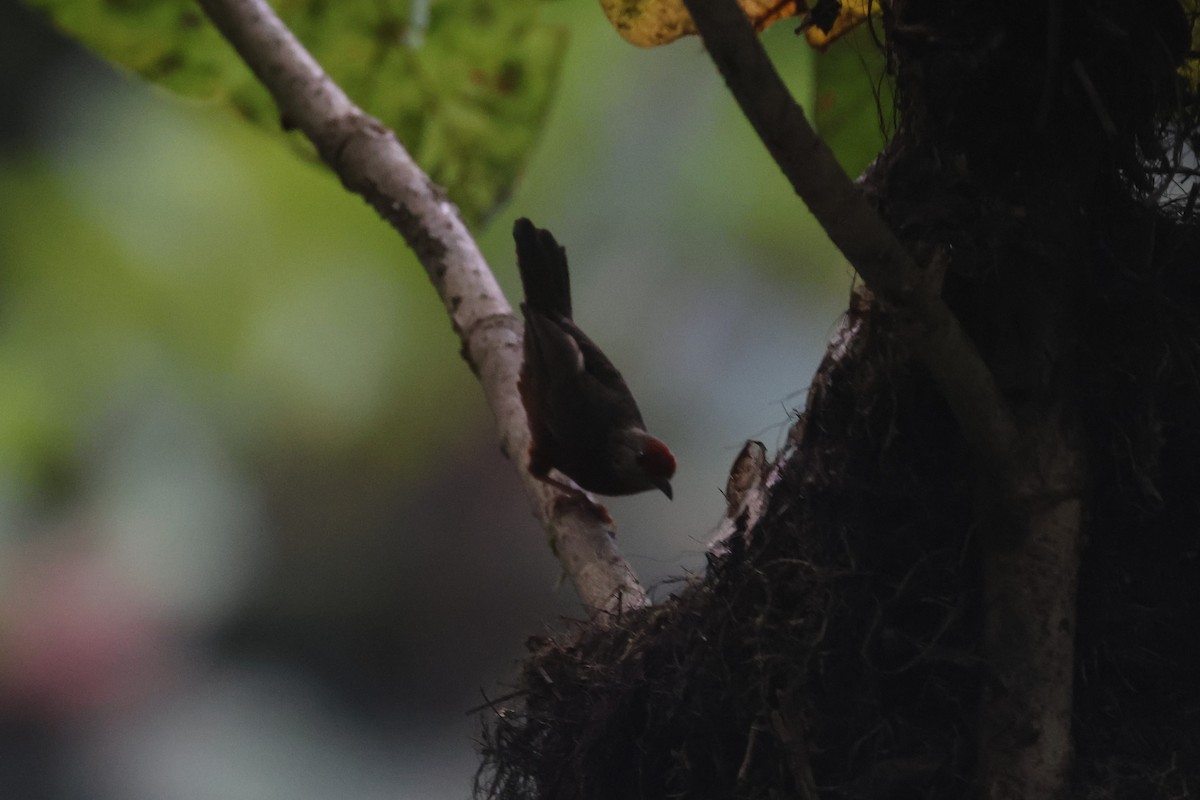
x: 583, y: 420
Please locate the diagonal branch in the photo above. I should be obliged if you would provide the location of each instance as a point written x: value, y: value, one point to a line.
x: 856, y: 228
x: 369, y: 160
x: 1030, y: 554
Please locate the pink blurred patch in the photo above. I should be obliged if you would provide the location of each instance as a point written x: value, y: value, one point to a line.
x: 73, y: 637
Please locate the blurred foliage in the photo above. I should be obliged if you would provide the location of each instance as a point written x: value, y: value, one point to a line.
x: 853, y: 99
x: 466, y: 85
x: 159, y: 251
x: 837, y: 90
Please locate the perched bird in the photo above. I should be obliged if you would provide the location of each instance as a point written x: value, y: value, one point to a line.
x: 583, y: 418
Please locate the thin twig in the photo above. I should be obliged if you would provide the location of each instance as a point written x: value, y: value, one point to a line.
x: 369, y: 160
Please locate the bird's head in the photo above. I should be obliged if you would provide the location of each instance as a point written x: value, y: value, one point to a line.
x: 652, y: 464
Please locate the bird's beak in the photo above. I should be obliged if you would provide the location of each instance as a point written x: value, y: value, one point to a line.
x: 665, y: 486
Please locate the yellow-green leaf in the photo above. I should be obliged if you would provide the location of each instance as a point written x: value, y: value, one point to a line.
x: 465, y: 84
x: 851, y: 91
x: 649, y: 23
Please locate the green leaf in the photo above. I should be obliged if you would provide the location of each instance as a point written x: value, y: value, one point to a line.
x: 850, y: 93
x: 466, y: 84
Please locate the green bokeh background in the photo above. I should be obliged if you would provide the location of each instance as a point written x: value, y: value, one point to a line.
x: 256, y: 537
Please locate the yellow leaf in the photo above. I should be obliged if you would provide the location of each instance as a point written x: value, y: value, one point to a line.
x: 649, y: 23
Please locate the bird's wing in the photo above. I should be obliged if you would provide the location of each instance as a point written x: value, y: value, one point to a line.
x: 606, y: 387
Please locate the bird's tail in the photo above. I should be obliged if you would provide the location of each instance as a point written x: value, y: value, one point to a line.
x: 542, y: 262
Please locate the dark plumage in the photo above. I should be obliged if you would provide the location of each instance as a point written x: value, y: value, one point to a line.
x: 582, y: 416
